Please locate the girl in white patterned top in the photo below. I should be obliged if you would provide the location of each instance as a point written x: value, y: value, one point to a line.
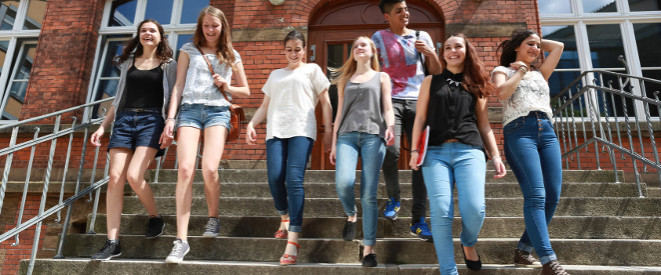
x: 203, y: 108
x: 531, y: 146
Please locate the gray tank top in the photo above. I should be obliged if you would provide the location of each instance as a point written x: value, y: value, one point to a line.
x: 362, y: 110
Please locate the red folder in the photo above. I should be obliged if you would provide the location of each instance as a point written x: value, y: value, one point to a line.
x: 422, y: 146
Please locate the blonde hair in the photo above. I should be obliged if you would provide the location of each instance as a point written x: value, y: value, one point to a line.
x: 224, y: 50
x: 341, y: 75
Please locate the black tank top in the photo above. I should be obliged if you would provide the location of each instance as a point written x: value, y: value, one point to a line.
x: 451, y: 111
x: 144, y: 88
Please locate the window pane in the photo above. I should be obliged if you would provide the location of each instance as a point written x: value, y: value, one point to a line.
x: 3, y: 52
x: 36, y: 12
x: 605, y: 45
x: 159, y: 10
x: 191, y: 10
x: 561, y: 79
x: 599, y: 6
x: 564, y: 34
x: 648, y: 39
x: 22, y: 75
x: 8, y: 14
x: 107, y: 88
x: 554, y: 6
x: 122, y: 13
x: 181, y: 40
x: 114, y: 49
x: 644, y: 5
x: 653, y: 90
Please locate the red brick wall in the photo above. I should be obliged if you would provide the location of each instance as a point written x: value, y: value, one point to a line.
x: 65, y: 55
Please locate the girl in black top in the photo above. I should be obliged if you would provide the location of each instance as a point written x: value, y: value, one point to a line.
x: 138, y: 112
x: 453, y: 105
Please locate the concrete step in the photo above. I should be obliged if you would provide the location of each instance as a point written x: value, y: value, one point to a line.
x: 325, y: 176
x: 157, y: 267
x: 390, y: 250
x: 496, y: 207
x: 327, y: 190
x: 494, y: 227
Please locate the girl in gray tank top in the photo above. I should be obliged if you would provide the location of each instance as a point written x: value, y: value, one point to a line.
x: 364, y: 123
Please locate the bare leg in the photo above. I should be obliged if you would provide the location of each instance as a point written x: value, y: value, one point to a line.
x: 214, y: 143
x: 119, y: 160
x: 136, y: 177
x: 187, y: 141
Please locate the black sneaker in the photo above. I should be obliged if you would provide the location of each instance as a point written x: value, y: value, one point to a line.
x: 109, y: 250
x: 349, y: 231
x: 155, y: 227
x: 369, y: 260
x: 212, y: 229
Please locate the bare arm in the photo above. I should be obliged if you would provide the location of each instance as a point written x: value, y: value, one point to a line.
x: 338, y: 119
x: 388, y: 113
x: 257, y: 118
x: 420, y: 119
x: 554, y: 48
x: 506, y: 87
x: 327, y: 114
x: 487, y: 136
x: 175, y: 98
x: 241, y: 89
x: 433, y: 64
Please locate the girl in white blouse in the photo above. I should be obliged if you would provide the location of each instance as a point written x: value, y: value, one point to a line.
x: 290, y: 97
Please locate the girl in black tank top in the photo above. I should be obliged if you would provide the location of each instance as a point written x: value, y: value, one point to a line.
x: 453, y: 105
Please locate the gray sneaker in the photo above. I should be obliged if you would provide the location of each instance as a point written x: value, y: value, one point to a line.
x: 212, y: 228
x: 179, y: 250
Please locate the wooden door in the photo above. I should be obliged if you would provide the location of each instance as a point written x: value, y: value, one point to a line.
x: 331, y: 32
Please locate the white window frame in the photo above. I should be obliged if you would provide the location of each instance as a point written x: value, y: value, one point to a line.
x: 13, y: 35
x: 172, y: 29
x: 624, y: 18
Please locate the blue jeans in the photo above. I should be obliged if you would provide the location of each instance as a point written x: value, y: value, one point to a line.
x: 134, y: 129
x: 461, y: 165
x: 286, y: 160
x: 371, y: 149
x: 533, y: 153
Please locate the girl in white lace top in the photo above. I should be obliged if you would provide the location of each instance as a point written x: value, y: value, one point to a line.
x: 201, y: 107
x: 531, y: 146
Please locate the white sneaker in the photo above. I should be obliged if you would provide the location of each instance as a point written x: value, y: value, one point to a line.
x: 179, y: 250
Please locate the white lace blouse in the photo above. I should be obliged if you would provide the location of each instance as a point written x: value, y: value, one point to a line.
x: 199, y: 87
x: 532, y: 94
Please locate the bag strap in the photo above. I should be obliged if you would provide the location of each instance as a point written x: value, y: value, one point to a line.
x: 211, y: 70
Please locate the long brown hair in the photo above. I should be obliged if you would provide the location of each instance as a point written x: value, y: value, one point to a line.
x: 341, y: 75
x: 224, y: 50
x: 133, y: 46
x: 476, y: 78
x: 508, y: 47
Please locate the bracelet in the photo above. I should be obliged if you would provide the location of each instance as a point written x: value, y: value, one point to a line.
x: 523, y: 69
x: 170, y: 119
x: 495, y: 157
x: 414, y: 151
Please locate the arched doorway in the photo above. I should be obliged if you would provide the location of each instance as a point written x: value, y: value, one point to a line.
x: 332, y: 29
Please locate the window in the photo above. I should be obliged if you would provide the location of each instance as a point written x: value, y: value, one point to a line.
x: 20, y: 23
x: 615, y: 35
x: 120, y: 20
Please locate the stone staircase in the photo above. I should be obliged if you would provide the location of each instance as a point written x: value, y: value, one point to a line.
x: 600, y: 228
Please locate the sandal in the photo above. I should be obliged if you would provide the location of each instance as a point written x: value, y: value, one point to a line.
x: 281, y: 234
x: 287, y: 259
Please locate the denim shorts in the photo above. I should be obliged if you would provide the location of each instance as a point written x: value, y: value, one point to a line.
x: 201, y: 116
x: 134, y: 129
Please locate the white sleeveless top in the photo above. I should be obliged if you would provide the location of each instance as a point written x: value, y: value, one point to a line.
x: 532, y: 94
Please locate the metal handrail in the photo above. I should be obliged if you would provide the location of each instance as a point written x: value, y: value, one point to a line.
x: 92, y: 192
x: 596, y: 99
